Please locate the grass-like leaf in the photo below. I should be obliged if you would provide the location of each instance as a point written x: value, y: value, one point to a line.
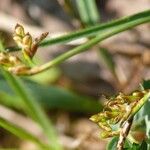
x: 88, y: 11
x: 50, y: 97
x: 33, y: 109
x: 123, y: 24
x: 21, y: 133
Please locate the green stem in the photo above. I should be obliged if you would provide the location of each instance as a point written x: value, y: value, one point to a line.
x: 141, y: 17
x: 34, y: 109
x: 128, y: 123
x: 140, y: 104
x: 85, y: 46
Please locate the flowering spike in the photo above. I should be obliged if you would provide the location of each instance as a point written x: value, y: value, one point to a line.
x: 117, y: 111
x: 26, y: 42
x: 8, y: 60
x: 19, y: 30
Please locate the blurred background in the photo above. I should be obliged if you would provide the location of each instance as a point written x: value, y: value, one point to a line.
x: 66, y: 91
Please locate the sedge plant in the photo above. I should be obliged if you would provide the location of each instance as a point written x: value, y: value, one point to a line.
x: 121, y: 109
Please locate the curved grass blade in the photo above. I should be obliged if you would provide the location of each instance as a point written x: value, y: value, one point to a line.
x: 21, y: 133
x: 34, y: 109
x: 135, y: 19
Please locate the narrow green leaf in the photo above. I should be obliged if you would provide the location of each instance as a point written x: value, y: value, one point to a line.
x: 84, y: 47
x: 34, y: 109
x: 88, y: 11
x: 93, y: 11
x: 21, y: 133
x: 123, y: 24
x: 129, y: 21
x: 50, y: 97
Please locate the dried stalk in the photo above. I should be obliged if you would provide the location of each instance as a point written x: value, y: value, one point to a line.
x: 124, y: 133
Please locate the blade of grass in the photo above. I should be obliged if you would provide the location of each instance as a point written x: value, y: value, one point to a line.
x: 93, y: 11
x: 137, y: 19
x: 21, y: 133
x: 83, y: 12
x: 88, y: 11
x: 34, y: 109
x: 84, y: 47
x: 51, y: 97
